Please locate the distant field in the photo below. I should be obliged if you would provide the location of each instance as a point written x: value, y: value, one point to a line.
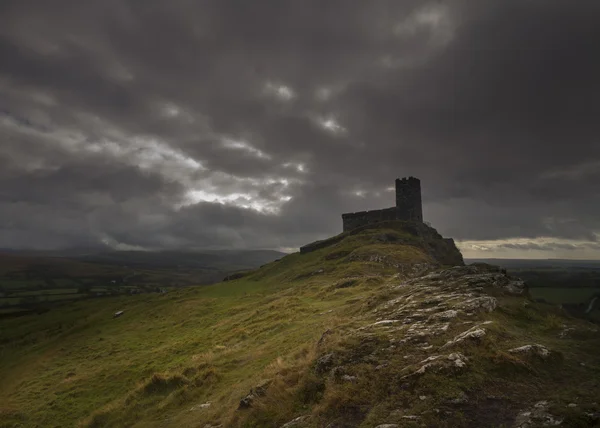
x: 45, y: 292
x: 568, y: 295
x: 37, y: 281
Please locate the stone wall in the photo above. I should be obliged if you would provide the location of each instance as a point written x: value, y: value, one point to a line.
x: 362, y: 218
x: 408, y: 199
x: 408, y: 207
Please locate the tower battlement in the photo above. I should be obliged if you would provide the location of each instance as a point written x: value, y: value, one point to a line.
x: 408, y: 207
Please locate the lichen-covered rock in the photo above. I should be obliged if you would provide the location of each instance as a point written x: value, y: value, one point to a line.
x: 476, y: 276
x: 459, y: 359
x: 532, y: 350
x: 474, y: 333
x: 439, y: 363
x: 446, y: 315
x: 480, y: 304
x: 200, y: 407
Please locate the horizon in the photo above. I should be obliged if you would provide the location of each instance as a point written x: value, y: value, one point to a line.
x: 285, y: 251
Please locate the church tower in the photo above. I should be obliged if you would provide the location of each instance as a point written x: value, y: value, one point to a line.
x: 408, y: 199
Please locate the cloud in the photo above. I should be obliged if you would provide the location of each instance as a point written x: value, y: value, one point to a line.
x: 231, y: 123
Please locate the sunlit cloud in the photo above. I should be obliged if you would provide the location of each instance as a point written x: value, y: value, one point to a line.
x: 265, y: 195
x: 331, y: 125
x: 299, y: 167
x: 539, y: 248
x: 281, y: 92
x: 144, y: 152
x: 111, y: 242
x: 245, y: 147
x: 241, y: 200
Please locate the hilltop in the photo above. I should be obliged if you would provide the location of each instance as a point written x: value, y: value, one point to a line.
x: 382, y: 325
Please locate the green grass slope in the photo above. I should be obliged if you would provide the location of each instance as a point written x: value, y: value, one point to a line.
x: 373, y: 328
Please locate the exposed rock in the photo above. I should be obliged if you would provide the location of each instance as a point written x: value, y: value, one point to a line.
x: 246, y: 402
x: 537, y: 416
x: 348, y: 378
x: 446, y: 315
x: 532, y: 350
x: 257, y: 391
x: 474, y: 333
x: 296, y: 422
x: 458, y: 358
x: 480, y: 304
x: 200, y: 407
x: 384, y: 322
x: 411, y: 417
x: 261, y: 389
x: 420, y: 331
x: 438, y: 363
x: 324, y: 363
x: 478, y: 275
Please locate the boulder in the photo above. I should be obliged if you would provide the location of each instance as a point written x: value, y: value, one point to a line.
x: 532, y: 350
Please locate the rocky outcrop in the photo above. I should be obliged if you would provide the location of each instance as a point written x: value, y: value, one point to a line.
x: 436, y: 320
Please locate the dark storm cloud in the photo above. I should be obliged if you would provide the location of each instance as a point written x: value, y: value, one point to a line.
x: 217, y: 123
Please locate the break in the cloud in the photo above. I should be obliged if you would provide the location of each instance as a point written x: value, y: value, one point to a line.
x: 231, y: 123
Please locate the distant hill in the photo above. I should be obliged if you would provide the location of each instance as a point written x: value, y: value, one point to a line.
x: 224, y: 260
x: 383, y: 325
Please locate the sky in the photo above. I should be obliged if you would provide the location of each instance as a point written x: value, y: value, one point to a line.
x: 186, y: 124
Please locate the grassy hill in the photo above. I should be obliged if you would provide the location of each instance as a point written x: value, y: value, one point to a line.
x: 373, y: 327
